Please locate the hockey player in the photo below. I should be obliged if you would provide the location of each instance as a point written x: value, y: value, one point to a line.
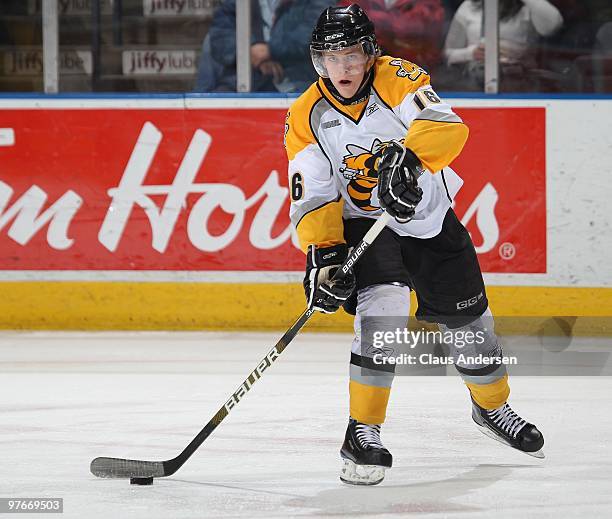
x: 372, y: 134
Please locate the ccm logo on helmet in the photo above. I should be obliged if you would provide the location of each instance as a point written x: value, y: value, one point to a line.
x: 334, y: 36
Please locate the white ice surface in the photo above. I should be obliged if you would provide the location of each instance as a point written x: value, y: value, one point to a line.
x: 66, y: 398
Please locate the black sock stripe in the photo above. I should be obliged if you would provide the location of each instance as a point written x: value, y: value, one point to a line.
x: 368, y: 363
x: 480, y: 372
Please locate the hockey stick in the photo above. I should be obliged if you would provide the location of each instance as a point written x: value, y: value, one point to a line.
x: 124, y: 468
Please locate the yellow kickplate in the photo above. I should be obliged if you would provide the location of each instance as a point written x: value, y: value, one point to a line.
x: 67, y: 305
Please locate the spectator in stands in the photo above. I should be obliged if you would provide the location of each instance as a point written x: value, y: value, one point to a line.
x: 289, y: 42
x: 280, y: 55
x: 217, y: 68
x: 409, y: 29
x: 522, y: 23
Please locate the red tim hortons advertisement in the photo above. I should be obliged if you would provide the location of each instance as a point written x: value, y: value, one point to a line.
x: 206, y: 190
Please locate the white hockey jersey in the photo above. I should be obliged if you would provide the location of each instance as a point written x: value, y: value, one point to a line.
x: 332, y: 150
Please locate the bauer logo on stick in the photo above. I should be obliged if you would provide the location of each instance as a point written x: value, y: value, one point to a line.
x: 251, y: 379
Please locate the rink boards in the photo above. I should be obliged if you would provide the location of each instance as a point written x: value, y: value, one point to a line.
x: 171, y: 212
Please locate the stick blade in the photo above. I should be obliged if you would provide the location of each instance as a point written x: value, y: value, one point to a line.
x: 118, y: 468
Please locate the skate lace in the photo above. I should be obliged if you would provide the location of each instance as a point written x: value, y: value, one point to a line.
x: 368, y: 435
x: 506, y: 419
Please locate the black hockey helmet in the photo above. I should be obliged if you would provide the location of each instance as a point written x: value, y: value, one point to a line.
x: 340, y: 28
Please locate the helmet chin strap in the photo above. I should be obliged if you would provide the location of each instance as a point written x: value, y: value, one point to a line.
x: 362, y: 92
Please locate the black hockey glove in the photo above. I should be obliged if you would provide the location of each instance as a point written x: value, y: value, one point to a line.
x: 321, y: 264
x: 398, y: 191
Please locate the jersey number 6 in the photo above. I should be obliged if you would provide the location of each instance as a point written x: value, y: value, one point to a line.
x: 297, y: 186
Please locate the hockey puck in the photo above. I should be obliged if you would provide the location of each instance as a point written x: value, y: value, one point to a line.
x: 141, y: 481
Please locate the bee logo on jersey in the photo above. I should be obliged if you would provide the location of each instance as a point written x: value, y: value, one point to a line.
x: 360, y: 171
x: 407, y: 69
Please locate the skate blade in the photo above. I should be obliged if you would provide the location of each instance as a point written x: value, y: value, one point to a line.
x: 354, y: 474
x: 537, y: 454
x: 487, y: 432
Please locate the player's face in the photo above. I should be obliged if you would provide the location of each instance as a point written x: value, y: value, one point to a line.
x: 346, y: 69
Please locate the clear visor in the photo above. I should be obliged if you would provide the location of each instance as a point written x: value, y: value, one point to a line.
x: 349, y: 60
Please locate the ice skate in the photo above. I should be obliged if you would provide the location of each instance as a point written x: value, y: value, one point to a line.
x: 363, y: 455
x: 504, y: 425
